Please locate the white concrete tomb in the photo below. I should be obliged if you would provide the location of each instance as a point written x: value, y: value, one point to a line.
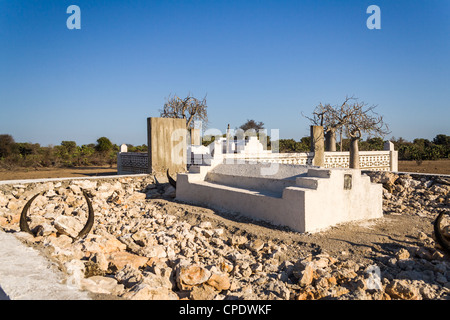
x: 303, y: 198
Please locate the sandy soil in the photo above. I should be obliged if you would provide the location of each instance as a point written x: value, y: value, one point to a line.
x: 43, y: 173
x: 427, y: 166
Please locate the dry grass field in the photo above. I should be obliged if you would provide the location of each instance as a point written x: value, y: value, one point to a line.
x: 427, y: 166
x: 30, y: 173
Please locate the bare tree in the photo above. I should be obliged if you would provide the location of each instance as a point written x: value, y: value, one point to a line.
x: 189, y: 108
x: 331, y: 119
x: 353, y: 118
x: 362, y: 118
x: 252, y: 125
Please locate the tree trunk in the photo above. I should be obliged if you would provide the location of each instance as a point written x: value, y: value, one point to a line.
x: 354, y: 153
x: 330, y: 140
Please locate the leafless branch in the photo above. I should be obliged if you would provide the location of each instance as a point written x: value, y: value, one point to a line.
x: 354, y: 117
x: 189, y: 108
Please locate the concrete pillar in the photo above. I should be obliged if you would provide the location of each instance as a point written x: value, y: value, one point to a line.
x: 388, y: 146
x: 354, y: 154
x: 195, y: 137
x: 167, y: 147
x: 330, y: 140
x: 317, y: 146
x: 123, y: 148
x: 393, y: 155
x: 228, y: 140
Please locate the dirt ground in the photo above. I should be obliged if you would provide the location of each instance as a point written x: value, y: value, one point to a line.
x: 427, y: 166
x: 44, y: 173
x: 360, y: 241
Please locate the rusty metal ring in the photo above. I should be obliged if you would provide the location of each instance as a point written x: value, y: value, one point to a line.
x: 88, y: 226
x: 438, y: 233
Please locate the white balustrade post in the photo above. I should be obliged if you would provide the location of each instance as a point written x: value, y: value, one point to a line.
x: 393, y: 155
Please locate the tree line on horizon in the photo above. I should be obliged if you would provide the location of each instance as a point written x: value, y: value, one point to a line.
x: 350, y: 119
x: 104, y: 152
x: 67, y: 154
x: 419, y: 149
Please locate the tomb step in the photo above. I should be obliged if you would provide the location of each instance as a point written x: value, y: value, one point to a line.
x: 319, y: 173
x: 310, y: 182
x: 313, y: 178
x: 251, y: 183
x: 250, y: 191
x: 307, y: 182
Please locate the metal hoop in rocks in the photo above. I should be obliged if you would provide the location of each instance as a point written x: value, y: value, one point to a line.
x: 87, y: 227
x: 441, y: 239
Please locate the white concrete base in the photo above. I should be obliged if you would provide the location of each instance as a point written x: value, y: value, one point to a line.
x: 305, y: 200
x: 27, y: 275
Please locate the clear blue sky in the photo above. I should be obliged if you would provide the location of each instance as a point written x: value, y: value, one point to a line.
x: 261, y: 60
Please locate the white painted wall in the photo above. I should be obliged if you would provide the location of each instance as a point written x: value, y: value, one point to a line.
x: 316, y: 201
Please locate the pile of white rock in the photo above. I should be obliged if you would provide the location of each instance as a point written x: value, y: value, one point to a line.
x: 137, y: 250
x: 421, y: 195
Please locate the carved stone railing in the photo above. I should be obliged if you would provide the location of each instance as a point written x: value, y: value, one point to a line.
x: 284, y: 158
x: 369, y: 160
x: 132, y: 162
x: 386, y: 160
